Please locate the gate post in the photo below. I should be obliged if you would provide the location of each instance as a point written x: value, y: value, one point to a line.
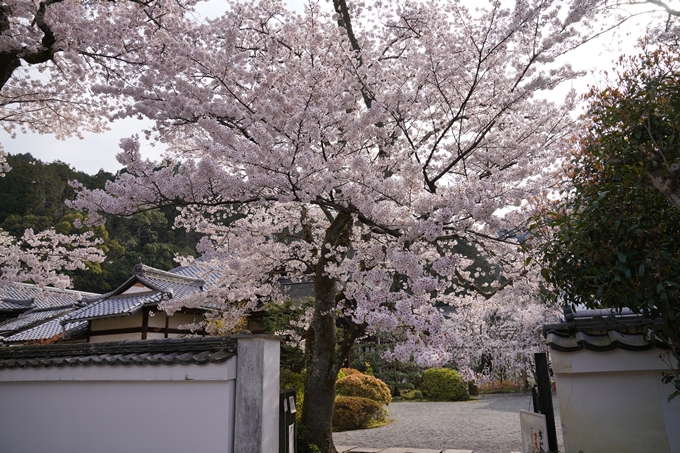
x: 545, y: 397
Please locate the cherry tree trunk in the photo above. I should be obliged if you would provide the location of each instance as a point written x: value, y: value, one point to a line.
x: 317, y: 410
x: 322, y: 360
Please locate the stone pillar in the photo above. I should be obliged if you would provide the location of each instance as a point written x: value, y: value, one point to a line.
x: 256, y: 421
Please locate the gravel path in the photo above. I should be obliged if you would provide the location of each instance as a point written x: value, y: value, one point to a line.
x: 487, y: 425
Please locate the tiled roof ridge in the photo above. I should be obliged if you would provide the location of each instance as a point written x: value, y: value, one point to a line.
x: 55, y: 308
x: 602, y: 330
x: 613, y: 339
x: 43, y: 330
x: 153, y: 273
x: 22, y: 302
x: 141, y: 295
x: 166, y: 345
x: 145, y: 298
x: 57, y: 290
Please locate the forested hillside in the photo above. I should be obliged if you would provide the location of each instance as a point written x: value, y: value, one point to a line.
x: 32, y: 195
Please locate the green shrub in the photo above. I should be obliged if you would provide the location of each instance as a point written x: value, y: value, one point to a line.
x: 391, y: 372
x: 473, y: 390
x: 412, y: 395
x: 353, y: 412
x: 444, y: 384
x: 347, y: 372
x: 406, y: 386
x: 364, y: 386
x: 290, y: 379
x: 304, y: 445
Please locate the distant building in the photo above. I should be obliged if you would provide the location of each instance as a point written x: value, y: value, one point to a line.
x: 24, y: 307
x: 130, y: 312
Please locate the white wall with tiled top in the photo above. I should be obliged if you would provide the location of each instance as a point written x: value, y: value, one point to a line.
x: 145, y: 408
x: 614, y: 401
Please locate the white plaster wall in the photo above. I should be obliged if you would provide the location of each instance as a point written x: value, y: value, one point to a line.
x: 118, y: 322
x: 154, y: 335
x: 116, y: 337
x: 615, y: 401
x: 227, y: 407
x: 115, y: 417
x: 177, y: 335
x: 671, y: 414
x: 158, y: 319
x: 137, y: 288
x: 613, y: 361
x: 179, y: 319
x: 603, y: 413
x: 206, y: 372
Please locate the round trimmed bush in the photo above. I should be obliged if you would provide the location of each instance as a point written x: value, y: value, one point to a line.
x: 352, y: 412
x: 347, y: 372
x: 444, y: 384
x: 364, y: 386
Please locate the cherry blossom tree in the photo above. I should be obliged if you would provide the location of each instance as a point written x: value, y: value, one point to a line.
x: 498, y: 338
x: 39, y: 257
x: 376, y: 149
x: 51, y: 54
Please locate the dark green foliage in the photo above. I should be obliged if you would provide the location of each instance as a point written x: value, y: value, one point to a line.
x: 404, y: 375
x: 304, y: 445
x: 473, y: 390
x: 353, y: 412
x: 614, y: 238
x: 33, y: 188
x: 290, y: 379
x: 444, y: 384
x: 412, y: 395
x: 16, y: 224
x: 365, y: 386
x: 33, y: 193
x: 277, y: 321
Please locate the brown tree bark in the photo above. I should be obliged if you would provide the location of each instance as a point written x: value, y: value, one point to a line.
x: 321, y: 357
x: 10, y: 61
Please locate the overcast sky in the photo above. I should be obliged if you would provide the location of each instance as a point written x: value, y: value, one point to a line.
x: 98, y: 151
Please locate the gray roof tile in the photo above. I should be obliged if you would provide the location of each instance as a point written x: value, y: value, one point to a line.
x: 15, y: 304
x: 611, y: 340
x: 178, y: 284
x: 48, y: 329
x: 32, y: 317
x: 115, y: 306
x: 197, y: 350
x: 178, y: 290
x: 210, y: 275
x: 46, y: 297
x: 172, y: 277
x: 599, y: 330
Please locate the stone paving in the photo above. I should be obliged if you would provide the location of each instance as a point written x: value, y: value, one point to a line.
x: 487, y: 425
x: 345, y: 449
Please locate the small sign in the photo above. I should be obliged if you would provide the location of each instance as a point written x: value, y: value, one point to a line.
x: 291, y: 401
x: 291, y: 437
x: 285, y: 405
x: 534, y: 432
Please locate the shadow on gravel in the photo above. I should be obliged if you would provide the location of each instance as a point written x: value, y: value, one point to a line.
x: 506, y: 402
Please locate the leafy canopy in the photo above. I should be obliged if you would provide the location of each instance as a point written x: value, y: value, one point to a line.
x: 613, y: 240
